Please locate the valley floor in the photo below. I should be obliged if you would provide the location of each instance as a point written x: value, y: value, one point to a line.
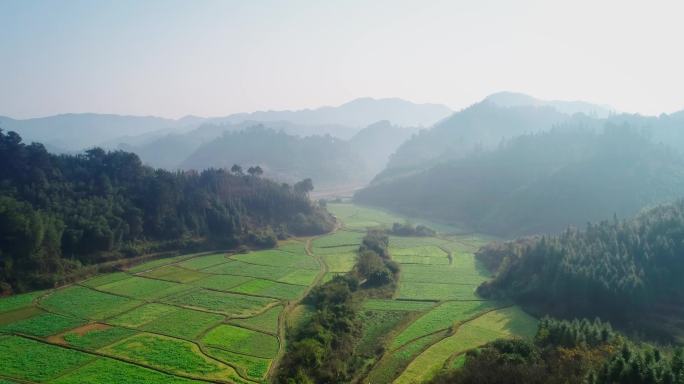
x: 222, y: 318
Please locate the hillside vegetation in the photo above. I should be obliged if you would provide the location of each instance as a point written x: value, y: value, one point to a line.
x: 289, y: 158
x: 540, y: 182
x: 628, y: 271
x: 58, y: 213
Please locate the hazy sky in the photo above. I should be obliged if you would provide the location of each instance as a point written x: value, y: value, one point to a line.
x: 210, y: 58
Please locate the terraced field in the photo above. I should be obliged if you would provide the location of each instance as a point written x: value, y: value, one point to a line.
x: 221, y: 318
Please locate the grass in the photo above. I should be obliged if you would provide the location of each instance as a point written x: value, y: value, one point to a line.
x: 142, y: 288
x: 339, y: 262
x: 201, y: 262
x: 227, y: 303
x: 142, y: 315
x: 86, y: 303
x: 113, y: 371
x: 436, y: 291
x: 397, y: 305
x: 105, y: 279
x: 441, y: 317
x: 278, y: 258
x: 183, y: 323
x: 270, y: 288
x: 15, y: 302
x: 221, y: 282
x: 43, y: 324
x: 252, y: 367
x: 31, y: 360
x: 265, y: 322
x: 174, y: 273
x: 300, y: 277
x: 251, y: 270
x: 504, y: 323
x: 242, y: 340
x: 169, y: 354
x: 94, y: 338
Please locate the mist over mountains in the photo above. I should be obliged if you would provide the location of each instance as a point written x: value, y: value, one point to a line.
x: 75, y: 132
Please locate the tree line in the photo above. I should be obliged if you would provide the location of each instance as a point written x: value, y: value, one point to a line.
x: 61, y: 212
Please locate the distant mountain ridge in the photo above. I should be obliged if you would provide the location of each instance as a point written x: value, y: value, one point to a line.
x: 75, y: 132
x: 514, y: 99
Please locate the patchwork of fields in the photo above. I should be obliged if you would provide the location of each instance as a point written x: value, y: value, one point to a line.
x: 221, y: 317
x: 193, y: 318
x: 435, y: 315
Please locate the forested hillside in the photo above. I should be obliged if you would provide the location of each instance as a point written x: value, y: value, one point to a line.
x: 481, y: 126
x: 58, y: 213
x: 628, y: 271
x: 324, y: 159
x: 541, y: 183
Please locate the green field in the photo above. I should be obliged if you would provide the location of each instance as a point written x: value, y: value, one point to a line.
x: 18, y: 301
x: 86, y: 303
x: 114, y: 371
x: 183, y: 323
x: 221, y: 282
x: 300, y: 277
x: 174, y: 273
x: 252, y: 367
x: 231, y: 304
x: 43, y: 324
x: 169, y: 354
x: 142, y: 288
x: 278, y: 258
x: 242, y: 340
x: 35, y: 361
x: 442, y: 317
x: 268, y: 288
x: 96, y: 337
x: 157, y: 263
x: 240, y: 268
x: 339, y: 262
x: 264, y: 322
x: 105, y: 279
x: 509, y: 322
x: 206, y: 261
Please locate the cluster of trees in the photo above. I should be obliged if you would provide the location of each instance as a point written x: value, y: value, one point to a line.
x: 578, y: 351
x: 539, y: 183
x: 324, y: 349
x: 58, y: 213
x: 612, y: 269
x: 406, y: 229
x: 374, y: 264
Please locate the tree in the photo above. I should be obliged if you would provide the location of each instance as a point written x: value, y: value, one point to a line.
x: 236, y: 169
x: 255, y: 171
x: 303, y: 187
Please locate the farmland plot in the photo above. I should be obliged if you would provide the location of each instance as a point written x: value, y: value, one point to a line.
x: 86, y: 303
x: 242, y: 340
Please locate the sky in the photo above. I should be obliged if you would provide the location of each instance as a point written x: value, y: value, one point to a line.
x: 212, y: 58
